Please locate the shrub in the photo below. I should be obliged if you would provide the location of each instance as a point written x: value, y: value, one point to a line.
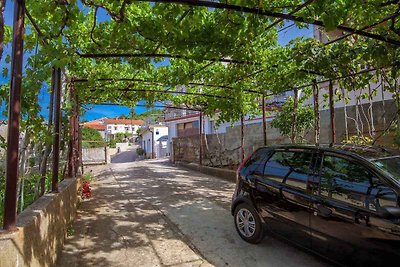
x: 91, y: 138
x: 87, y: 177
x: 112, y: 143
x: 359, y: 140
x: 140, y: 151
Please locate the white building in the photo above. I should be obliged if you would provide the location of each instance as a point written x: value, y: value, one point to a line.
x: 115, y: 126
x: 98, y: 125
x: 153, y: 141
x: 108, y: 128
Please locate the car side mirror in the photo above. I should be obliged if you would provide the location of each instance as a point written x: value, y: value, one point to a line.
x: 389, y: 212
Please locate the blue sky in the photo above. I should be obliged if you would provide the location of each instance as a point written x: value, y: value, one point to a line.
x: 99, y: 111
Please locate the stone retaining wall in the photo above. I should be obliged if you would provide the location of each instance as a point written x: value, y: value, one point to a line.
x: 224, y: 150
x: 42, y: 229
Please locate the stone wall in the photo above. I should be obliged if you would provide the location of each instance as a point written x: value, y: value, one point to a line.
x: 223, y: 150
x: 42, y: 229
x: 94, y: 155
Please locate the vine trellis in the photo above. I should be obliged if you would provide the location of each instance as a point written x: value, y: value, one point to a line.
x: 226, y: 53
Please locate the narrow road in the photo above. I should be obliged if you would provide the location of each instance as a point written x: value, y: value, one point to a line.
x: 125, y: 156
x: 149, y: 213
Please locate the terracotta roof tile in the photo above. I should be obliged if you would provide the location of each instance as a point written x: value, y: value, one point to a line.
x: 98, y: 127
x: 123, y: 121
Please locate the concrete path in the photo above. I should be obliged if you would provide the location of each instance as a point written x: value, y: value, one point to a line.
x: 125, y: 156
x: 149, y: 213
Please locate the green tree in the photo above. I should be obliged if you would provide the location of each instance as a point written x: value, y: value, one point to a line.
x: 284, y: 119
x: 91, y: 138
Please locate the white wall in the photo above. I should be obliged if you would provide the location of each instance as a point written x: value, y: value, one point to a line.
x: 147, y: 140
x: 122, y: 128
x: 159, y: 131
x: 324, y: 89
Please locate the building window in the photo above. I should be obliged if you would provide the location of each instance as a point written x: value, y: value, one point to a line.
x: 195, y: 124
x: 115, y: 128
x: 157, y: 132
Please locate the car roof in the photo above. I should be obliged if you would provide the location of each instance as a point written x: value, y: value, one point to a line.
x: 364, y: 151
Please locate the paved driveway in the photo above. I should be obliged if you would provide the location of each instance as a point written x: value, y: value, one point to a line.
x: 149, y: 213
x: 126, y: 156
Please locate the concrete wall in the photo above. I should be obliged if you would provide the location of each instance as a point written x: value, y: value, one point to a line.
x: 93, y: 155
x: 223, y: 150
x: 42, y: 229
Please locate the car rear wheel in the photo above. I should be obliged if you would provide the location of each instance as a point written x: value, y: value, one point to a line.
x: 248, y: 223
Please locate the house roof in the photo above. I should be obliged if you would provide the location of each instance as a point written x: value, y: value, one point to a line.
x: 123, y: 121
x: 101, y: 124
x: 96, y: 124
x: 183, y: 117
x: 150, y: 127
x: 98, y: 127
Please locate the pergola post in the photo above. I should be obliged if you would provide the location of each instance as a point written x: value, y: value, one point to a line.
x: 242, y: 137
x: 57, y: 123
x: 73, y: 147
x: 264, y: 121
x: 332, y: 113
x: 316, y: 113
x: 14, y: 112
x: 77, y: 144
x: 201, y: 138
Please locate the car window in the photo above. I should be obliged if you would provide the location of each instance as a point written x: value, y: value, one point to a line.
x: 301, y: 164
x: 290, y: 167
x: 255, y: 164
x: 350, y: 182
x: 390, y: 165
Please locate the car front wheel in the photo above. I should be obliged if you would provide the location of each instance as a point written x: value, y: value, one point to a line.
x: 248, y: 223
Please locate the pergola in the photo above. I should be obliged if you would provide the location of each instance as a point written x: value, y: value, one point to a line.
x: 122, y: 86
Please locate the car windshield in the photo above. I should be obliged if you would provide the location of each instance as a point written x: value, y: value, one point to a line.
x: 390, y: 165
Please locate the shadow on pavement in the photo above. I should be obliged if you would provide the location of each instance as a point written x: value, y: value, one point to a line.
x: 150, y: 213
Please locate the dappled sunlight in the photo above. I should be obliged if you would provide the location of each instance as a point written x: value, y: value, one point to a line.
x: 161, y: 215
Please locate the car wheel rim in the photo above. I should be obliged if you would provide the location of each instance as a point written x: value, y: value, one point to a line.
x: 245, y: 222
